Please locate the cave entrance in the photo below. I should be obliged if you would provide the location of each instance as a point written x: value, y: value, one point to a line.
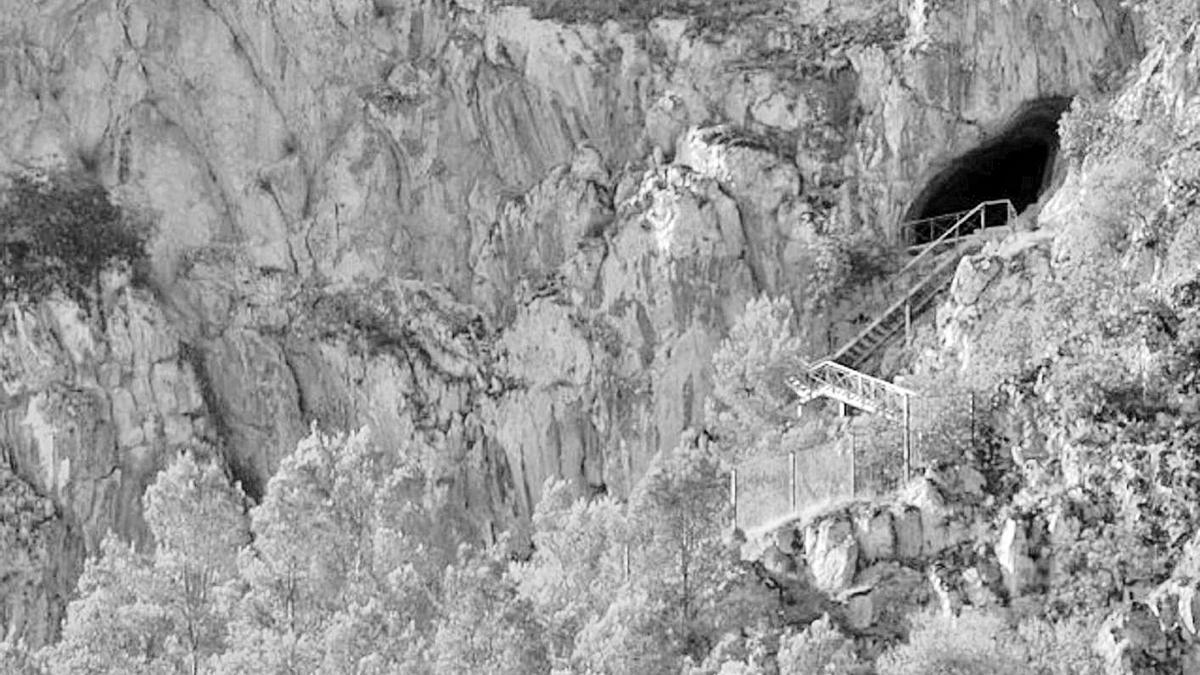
x: 1016, y: 164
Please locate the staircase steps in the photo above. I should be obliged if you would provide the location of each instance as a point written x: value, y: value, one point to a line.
x: 919, y: 282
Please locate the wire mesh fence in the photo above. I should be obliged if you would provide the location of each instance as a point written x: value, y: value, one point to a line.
x: 872, y: 456
x: 765, y: 489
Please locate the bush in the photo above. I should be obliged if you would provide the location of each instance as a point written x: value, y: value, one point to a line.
x: 59, y: 232
x: 1088, y: 128
x: 971, y: 644
x: 982, y: 643
x: 1170, y: 20
x: 818, y: 650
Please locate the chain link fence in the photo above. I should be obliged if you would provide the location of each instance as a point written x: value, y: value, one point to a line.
x: 871, y: 456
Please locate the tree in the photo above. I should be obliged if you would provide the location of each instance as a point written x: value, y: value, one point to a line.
x: 161, y: 612
x: 486, y: 626
x: 973, y: 643
x: 59, y: 231
x: 750, y: 402
x: 680, y: 562
x: 577, y: 566
x: 679, y: 507
x: 818, y: 650
x: 633, y: 637
x: 346, y: 567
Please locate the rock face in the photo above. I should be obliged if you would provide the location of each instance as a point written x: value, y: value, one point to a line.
x: 875, y: 563
x: 510, y: 241
x: 91, y: 410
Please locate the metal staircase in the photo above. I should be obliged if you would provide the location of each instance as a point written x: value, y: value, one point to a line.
x: 920, y: 281
x: 833, y: 380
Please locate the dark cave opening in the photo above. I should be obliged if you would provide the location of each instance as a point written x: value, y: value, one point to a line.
x: 1015, y: 164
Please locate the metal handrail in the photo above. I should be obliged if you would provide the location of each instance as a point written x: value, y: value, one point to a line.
x: 844, y: 382
x: 839, y: 370
x: 948, y: 236
x: 892, y: 310
x: 952, y: 233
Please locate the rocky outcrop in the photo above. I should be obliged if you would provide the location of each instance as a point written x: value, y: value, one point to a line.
x: 876, y: 562
x: 91, y: 408
x: 510, y: 241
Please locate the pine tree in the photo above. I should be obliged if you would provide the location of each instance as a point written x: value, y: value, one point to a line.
x: 578, y: 562
x: 160, y: 612
x: 486, y: 627
x: 345, y: 571
x: 750, y: 402
x: 679, y: 509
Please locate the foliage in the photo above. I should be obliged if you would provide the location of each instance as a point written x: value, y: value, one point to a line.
x: 820, y: 649
x: 160, y: 612
x: 632, y: 11
x: 750, y: 400
x: 17, y: 660
x: 680, y: 506
x: 682, y: 592
x: 981, y: 642
x: 60, y: 232
x: 341, y: 540
x: 634, y: 637
x: 1170, y: 20
x: 973, y: 643
x: 1088, y: 128
x: 749, y: 652
x: 1060, y: 648
x: 577, y: 566
x: 486, y: 627
x: 841, y: 264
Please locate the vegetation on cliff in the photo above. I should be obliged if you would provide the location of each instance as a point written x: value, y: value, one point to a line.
x: 58, y: 232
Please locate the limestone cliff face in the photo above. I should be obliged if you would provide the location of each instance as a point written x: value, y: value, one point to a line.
x: 514, y: 241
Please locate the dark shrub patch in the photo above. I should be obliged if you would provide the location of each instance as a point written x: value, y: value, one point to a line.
x: 59, y: 233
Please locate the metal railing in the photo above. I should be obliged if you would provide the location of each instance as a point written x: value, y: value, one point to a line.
x: 958, y: 230
x: 833, y: 380
x: 902, y: 308
x: 931, y: 229
x: 767, y: 486
x: 900, y: 311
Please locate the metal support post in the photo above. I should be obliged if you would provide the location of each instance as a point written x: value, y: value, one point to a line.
x: 733, y: 495
x: 907, y: 324
x: 792, y: 479
x: 972, y: 421
x: 907, y: 439
x: 853, y: 464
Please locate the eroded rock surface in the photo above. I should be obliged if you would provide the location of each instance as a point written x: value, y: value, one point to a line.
x: 513, y: 241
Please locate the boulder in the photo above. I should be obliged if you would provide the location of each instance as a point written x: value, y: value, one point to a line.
x: 974, y: 275
x: 875, y: 536
x: 975, y: 588
x: 882, y: 596
x: 906, y: 524
x: 1177, y: 606
x: 1130, y: 641
x: 1012, y: 552
x: 831, y: 553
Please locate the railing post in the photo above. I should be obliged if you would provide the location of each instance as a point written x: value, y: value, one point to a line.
x: 792, y: 479
x: 733, y: 495
x: 908, y: 324
x: 853, y: 465
x: 972, y: 421
x: 907, y: 439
